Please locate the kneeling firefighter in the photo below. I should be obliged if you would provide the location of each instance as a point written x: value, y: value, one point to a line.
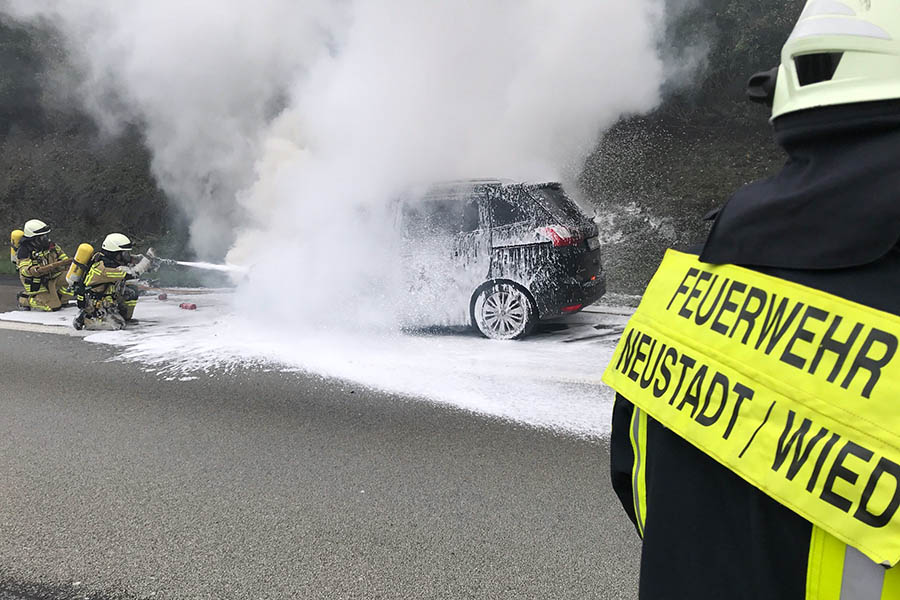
x: 756, y: 428
x: 41, y: 265
x: 106, y: 300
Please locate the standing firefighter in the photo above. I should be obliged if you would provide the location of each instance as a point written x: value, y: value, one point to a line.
x: 108, y: 301
x: 42, y: 266
x: 756, y: 430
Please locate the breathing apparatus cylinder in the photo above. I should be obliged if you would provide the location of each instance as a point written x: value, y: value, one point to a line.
x: 80, y: 265
x: 15, y: 238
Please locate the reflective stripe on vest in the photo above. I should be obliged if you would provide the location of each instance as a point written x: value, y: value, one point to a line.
x: 840, y: 572
x: 638, y: 435
x: 793, y: 389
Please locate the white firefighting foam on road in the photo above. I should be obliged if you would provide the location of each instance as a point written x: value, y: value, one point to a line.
x: 551, y: 380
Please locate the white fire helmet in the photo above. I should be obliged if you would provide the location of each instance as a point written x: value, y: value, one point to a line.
x: 116, y: 242
x: 35, y: 228
x: 840, y: 52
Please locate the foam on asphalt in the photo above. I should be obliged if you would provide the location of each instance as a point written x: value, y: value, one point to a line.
x: 550, y: 380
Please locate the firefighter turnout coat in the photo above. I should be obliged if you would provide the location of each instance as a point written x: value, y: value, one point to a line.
x: 105, y: 290
x: 42, y: 292
x: 756, y: 427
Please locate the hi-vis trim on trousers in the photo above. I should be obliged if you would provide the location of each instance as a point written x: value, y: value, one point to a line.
x: 638, y: 436
x: 795, y: 390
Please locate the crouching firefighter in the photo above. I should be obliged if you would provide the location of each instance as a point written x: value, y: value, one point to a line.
x: 106, y: 299
x: 41, y: 265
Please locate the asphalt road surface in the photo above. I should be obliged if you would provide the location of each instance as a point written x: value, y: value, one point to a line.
x: 117, y: 484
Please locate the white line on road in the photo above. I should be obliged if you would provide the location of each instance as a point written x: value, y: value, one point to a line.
x: 36, y: 328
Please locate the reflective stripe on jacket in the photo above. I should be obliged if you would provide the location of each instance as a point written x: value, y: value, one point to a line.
x: 837, y: 571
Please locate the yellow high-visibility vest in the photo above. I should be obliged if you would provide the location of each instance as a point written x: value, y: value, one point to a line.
x: 795, y: 390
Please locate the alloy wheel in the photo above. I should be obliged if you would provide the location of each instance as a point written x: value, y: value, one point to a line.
x: 503, y: 312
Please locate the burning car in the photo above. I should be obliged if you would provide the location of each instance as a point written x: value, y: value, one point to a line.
x: 498, y: 255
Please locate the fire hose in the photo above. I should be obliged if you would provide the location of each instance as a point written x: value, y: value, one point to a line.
x: 52, y: 267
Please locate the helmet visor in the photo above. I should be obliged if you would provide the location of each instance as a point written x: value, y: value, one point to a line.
x: 816, y: 68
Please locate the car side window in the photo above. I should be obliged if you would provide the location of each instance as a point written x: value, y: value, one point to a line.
x: 471, y: 220
x: 444, y: 215
x: 511, y: 207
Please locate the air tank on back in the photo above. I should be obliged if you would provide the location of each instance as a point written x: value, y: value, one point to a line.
x: 15, y: 238
x: 80, y: 265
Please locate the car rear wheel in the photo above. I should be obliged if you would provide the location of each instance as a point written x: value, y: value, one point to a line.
x: 503, y: 311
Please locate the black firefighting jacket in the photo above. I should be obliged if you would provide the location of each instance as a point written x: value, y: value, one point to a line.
x: 830, y: 220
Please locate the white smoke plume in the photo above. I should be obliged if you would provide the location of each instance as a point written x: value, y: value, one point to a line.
x: 283, y: 128
x: 202, y: 79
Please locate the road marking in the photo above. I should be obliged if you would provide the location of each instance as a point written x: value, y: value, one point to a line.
x: 38, y: 328
x: 624, y: 311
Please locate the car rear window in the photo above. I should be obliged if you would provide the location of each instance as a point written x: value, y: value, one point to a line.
x: 512, y: 207
x: 554, y: 200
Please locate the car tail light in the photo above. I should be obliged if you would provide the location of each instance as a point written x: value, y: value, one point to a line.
x: 560, y: 235
x: 573, y: 308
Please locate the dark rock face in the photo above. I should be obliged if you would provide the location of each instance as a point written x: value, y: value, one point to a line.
x: 653, y: 178
x: 54, y: 165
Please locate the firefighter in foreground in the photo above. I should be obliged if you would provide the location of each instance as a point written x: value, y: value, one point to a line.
x: 106, y: 299
x: 42, y: 266
x: 756, y: 429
